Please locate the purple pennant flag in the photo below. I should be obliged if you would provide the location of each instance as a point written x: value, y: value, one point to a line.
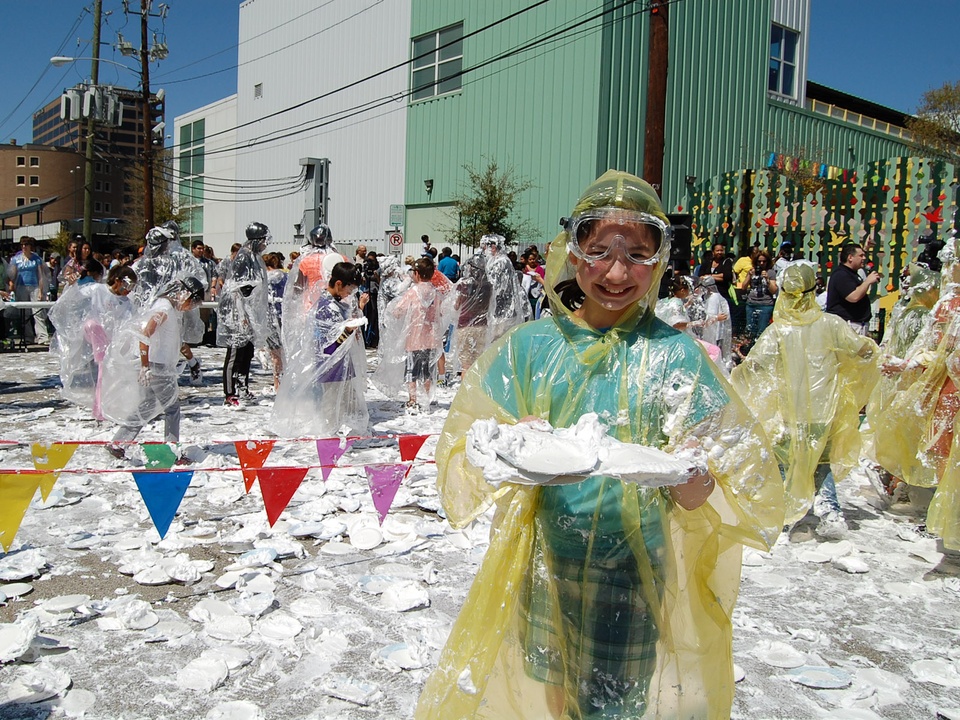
x: 384, y: 481
x: 329, y: 450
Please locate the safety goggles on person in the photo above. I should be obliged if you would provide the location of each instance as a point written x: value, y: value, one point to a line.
x: 594, y: 234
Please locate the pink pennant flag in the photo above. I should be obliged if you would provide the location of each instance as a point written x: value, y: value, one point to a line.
x: 410, y: 445
x: 51, y: 458
x: 384, y: 481
x: 329, y: 450
x: 277, y: 485
x: 253, y: 454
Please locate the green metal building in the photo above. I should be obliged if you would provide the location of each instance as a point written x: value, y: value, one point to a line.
x: 558, y: 91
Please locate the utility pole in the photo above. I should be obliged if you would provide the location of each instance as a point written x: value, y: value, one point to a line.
x: 91, y: 130
x: 657, y: 61
x: 147, y: 118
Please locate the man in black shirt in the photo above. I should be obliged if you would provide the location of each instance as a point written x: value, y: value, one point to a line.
x: 847, y: 293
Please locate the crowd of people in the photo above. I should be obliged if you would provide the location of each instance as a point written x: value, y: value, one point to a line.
x: 600, y: 597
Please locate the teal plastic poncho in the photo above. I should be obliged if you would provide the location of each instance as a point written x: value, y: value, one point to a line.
x: 602, y: 598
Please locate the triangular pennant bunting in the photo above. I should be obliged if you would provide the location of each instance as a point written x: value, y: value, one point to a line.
x: 384, y: 481
x: 16, y: 492
x: 162, y: 493
x: 277, y: 485
x: 253, y: 454
x: 410, y: 445
x: 329, y: 450
x: 159, y: 456
x: 51, y: 457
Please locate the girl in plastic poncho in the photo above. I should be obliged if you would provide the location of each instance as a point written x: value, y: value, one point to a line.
x: 321, y: 394
x: 414, y: 340
x: 140, y: 368
x: 603, y: 598
x: 920, y: 291
x: 716, y: 328
x: 86, y: 318
x: 921, y: 420
x: 806, y: 379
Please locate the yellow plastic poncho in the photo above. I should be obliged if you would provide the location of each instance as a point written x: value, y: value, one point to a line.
x: 602, y: 599
x: 806, y: 379
x: 922, y: 420
x: 906, y: 320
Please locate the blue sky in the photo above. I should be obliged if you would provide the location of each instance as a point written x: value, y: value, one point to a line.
x: 887, y: 51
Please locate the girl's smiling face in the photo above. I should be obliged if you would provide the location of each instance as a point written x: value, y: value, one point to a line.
x: 612, y: 285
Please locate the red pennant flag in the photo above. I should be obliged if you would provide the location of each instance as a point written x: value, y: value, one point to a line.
x: 253, y: 454
x: 410, y: 445
x: 329, y: 450
x: 384, y: 481
x: 277, y: 485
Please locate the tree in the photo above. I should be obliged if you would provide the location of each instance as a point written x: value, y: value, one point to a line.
x: 936, y: 128
x: 488, y: 206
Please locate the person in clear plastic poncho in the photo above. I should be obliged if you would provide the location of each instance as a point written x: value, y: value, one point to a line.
x: 165, y: 260
x: 86, y: 318
x: 920, y: 292
x: 140, y: 367
x: 603, y: 598
x: 806, y: 379
x: 412, y: 336
x: 323, y: 393
x: 306, y: 282
x: 919, y: 426
x: 244, y: 320
x: 508, y: 302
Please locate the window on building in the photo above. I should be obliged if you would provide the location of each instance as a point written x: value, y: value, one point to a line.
x: 97, y: 167
x: 98, y: 186
x: 21, y: 180
x: 33, y: 200
x: 21, y: 161
x: 106, y: 187
x: 783, y: 61
x: 97, y: 207
x: 34, y: 161
x: 34, y: 180
x: 258, y: 91
x: 21, y: 202
x: 437, y: 63
x: 106, y: 207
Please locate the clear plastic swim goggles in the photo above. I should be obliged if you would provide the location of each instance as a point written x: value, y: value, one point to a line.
x: 592, y: 235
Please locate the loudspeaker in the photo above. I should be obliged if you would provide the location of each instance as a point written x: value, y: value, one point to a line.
x: 680, y: 248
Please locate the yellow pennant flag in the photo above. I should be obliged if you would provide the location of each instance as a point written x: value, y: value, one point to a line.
x: 51, y: 457
x: 16, y: 492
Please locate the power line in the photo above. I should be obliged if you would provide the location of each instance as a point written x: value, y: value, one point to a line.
x: 545, y: 37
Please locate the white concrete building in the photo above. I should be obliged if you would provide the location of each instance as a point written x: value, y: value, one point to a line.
x: 205, y: 174
x: 311, y: 84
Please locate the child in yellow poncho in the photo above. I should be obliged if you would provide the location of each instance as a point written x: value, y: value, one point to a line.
x: 806, y: 379
x: 604, y: 599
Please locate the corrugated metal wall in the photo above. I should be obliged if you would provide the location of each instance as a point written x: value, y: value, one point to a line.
x: 716, y: 96
x: 535, y: 111
x: 298, y: 50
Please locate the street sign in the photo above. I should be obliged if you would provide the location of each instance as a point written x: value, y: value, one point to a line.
x: 396, y: 215
x: 394, y: 241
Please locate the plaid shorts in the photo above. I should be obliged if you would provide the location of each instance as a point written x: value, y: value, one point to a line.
x: 587, y: 625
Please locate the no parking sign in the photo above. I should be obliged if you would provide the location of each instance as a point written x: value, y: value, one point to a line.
x: 394, y: 241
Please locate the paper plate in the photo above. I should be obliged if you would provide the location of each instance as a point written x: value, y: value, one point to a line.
x: 15, y: 590
x: 365, y: 537
x: 820, y: 677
